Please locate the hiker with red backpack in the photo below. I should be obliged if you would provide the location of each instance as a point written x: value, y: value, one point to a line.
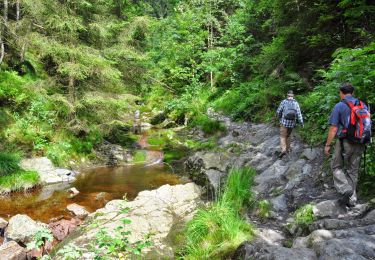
x: 350, y: 122
x: 289, y: 113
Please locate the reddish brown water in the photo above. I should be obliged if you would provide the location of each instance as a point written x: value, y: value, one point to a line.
x: 50, y: 202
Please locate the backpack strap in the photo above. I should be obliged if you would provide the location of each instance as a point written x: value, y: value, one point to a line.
x: 351, y: 106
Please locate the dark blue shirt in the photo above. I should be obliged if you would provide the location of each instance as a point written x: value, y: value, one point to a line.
x: 340, y: 115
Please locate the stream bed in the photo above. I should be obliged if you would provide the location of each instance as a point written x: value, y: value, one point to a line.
x: 97, y: 186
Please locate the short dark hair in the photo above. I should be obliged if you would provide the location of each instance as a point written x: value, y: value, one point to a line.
x: 347, y: 88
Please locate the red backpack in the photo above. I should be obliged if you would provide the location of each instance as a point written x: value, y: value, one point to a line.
x: 359, y: 129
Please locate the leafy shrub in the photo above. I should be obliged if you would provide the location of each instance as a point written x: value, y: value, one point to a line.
x: 208, y: 125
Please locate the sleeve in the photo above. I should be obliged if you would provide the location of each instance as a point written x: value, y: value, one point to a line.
x: 334, y: 119
x: 299, y: 114
x: 279, y: 111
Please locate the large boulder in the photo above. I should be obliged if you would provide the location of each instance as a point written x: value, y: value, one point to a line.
x: 159, y: 212
x: 351, y: 243
x: 22, y: 228
x: 12, y: 251
x: 209, y: 169
x: 263, y: 251
x: 47, y: 172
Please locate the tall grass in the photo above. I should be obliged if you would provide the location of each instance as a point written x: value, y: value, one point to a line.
x: 216, y: 231
x: 18, y: 181
x: 9, y: 162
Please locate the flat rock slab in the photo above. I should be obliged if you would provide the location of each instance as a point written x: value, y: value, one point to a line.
x: 78, y: 210
x: 159, y: 212
x: 12, y: 251
x: 328, y: 208
x: 47, y: 172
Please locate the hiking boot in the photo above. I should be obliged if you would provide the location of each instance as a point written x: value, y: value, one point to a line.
x: 344, y: 200
x: 282, y: 155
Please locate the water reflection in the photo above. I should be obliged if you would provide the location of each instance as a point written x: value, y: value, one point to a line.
x: 96, y: 186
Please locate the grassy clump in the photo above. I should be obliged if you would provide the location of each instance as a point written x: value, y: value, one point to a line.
x: 19, y: 180
x: 219, y: 229
x: 264, y: 209
x: 9, y: 162
x: 304, y: 215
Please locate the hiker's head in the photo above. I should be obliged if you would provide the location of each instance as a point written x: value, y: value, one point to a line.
x: 290, y: 94
x: 346, y: 89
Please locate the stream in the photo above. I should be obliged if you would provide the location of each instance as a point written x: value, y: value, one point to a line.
x: 97, y: 186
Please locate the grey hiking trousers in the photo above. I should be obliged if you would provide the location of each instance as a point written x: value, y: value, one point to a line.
x: 345, y: 167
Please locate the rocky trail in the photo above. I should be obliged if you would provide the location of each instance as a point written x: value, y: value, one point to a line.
x: 301, y: 177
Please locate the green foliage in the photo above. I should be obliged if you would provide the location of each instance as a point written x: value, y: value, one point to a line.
x: 39, y: 241
x: 18, y: 181
x: 219, y: 229
x: 264, y: 208
x: 139, y: 156
x: 304, y: 215
x: 9, y: 163
x: 237, y: 191
x: 208, y: 125
x: 70, y: 252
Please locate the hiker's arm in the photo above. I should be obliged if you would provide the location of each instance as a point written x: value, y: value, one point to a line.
x: 299, y: 114
x: 331, y: 135
x: 279, y: 111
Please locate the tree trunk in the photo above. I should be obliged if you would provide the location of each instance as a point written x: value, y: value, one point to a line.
x: 17, y: 10
x: 5, y: 11
x: 2, y: 49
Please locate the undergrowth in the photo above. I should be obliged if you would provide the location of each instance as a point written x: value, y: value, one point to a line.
x: 219, y: 229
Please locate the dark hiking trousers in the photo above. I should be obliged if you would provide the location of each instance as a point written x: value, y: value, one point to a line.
x: 345, y: 167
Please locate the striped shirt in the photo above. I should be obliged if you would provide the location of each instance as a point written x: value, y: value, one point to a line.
x: 287, y: 122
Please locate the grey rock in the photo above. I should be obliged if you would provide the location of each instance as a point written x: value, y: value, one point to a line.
x: 274, y: 175
x: 295, y: 169
x: 310, y: 153
x: 260, y: 162
x: 348, y: 249
x: 22, y: 228
x: 78, y: 210
x: 159, y: 212
x: 47, y: 172
x: 12, y: 251
x: 215, y: 179
x: 270, y: 236
x: 263, y: 251
x: 328, y: 208
x: 315, y: 237
x: 280, y: 203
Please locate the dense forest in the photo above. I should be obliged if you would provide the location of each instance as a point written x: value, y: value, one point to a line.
x: 73, y: 72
